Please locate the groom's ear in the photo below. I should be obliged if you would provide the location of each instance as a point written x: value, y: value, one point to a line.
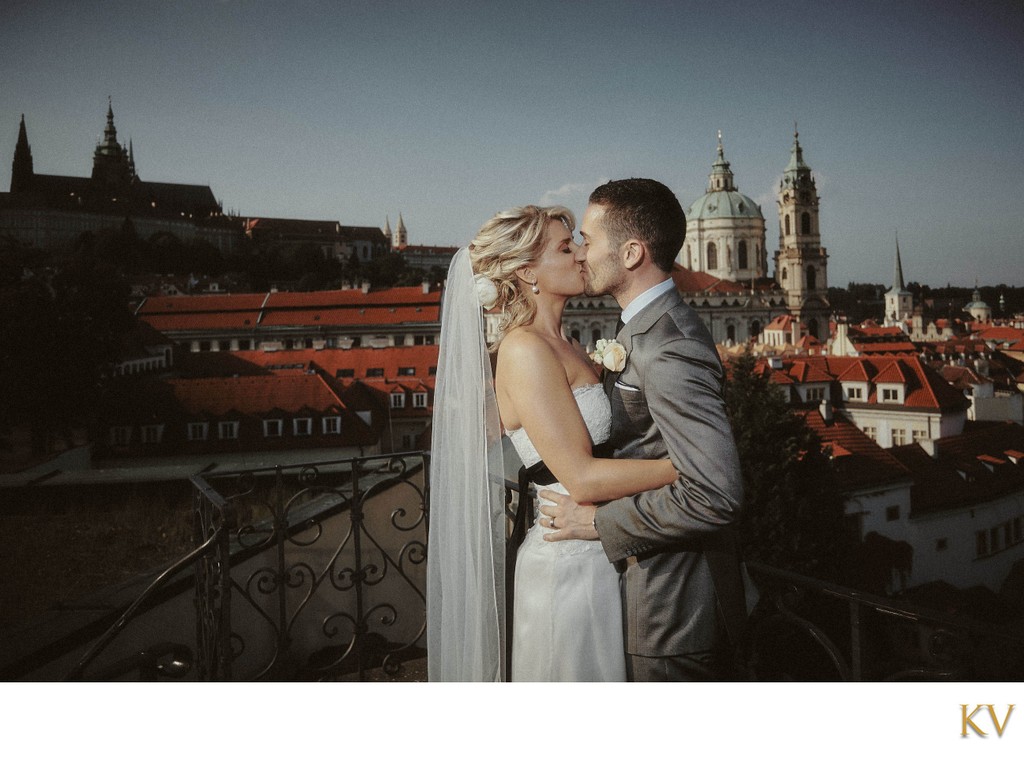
x: 633, y: 253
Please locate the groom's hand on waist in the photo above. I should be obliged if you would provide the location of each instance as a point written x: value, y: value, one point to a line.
x: 568, y: 519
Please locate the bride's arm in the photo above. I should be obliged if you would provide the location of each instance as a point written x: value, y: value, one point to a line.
x: 533, y: 391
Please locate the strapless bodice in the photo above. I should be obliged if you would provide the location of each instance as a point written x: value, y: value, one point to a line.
x: 597, y: 415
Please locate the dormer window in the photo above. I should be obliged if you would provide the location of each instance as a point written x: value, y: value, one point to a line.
x: 398, y: 400
x: 890, y: 393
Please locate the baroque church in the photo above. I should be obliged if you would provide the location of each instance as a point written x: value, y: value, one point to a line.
x: 45, y: 210
x: 722, y: 268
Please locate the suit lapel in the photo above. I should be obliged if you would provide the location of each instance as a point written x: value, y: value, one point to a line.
x: 645, y: 320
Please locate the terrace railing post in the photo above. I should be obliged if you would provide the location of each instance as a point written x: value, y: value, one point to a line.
x: 280, y: 576
x: 356, y: 516
x: 856, y: 644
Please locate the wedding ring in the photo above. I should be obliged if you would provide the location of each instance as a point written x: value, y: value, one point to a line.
x: 552, y: 522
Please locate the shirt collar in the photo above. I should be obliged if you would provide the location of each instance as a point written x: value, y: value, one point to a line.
x: 642, y: 300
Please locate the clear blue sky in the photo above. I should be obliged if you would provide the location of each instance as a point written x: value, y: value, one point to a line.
x: 911, y: 114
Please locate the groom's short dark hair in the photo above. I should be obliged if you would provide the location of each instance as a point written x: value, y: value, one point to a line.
x: 646, y: 210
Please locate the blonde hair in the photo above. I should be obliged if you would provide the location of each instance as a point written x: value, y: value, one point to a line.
x: 507, y: 242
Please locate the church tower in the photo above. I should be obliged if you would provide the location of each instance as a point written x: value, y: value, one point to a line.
x: 401, y: 238
x: 21, y: 169
x: 387, y: 228
x: 899, y: 302
x: 801, y: 264
x: 110, y: 162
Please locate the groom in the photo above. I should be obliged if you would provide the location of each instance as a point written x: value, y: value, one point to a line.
x: 682, y: 588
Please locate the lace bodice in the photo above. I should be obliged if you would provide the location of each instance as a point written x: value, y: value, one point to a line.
x: 597, y: 415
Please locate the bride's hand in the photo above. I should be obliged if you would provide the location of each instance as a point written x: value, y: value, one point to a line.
x: 568, y: 519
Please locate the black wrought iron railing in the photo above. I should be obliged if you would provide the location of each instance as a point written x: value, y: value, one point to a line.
x: 318, y: 571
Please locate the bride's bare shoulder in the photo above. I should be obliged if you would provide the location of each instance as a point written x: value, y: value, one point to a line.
x: 524, y: 348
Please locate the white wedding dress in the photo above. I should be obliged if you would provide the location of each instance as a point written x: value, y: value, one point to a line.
x: 567, y: 620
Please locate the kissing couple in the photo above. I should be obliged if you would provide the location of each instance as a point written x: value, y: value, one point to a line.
x: 630, y: 570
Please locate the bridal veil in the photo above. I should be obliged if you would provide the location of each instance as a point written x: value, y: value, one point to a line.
x: 466, y: 545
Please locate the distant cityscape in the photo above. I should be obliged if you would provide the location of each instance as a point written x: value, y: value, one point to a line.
x: 918, y: 396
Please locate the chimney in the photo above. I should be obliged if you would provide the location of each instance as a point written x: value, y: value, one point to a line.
x: 426, y: 287
x: 825, y: 409
x: 366, y: 286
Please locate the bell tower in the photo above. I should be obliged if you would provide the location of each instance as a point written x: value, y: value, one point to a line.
x: 110, y: 161
x: 801, y: 264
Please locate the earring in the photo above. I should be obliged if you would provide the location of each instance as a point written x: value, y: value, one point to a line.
x: 535, y: 289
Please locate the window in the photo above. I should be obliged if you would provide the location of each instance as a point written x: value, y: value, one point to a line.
x: 815, y: 394
x: 152, y: 433
x: 941, y: 544
x: 197, y: 431
x: 432, y: 371
x: 227, y: 430
x: 332, y: 425
x: 812, y: 278
x: 398, y: 400
x: 890, y: 394
x: 892, y: 513
x: 407, y: 371
x: 408, y: 441
x: 302, y: 426
x: 994, y: 540
x: 855, y: 393
x: 121, y: 435
x: 224, y: 345
x: 244, y: 344
x: 899, y: 437
x: 805, y: 223
x: 273, y: 428
x: 742, y: 253
x: 787, y: 224
x: 345, y: 373
x: 419, y: 400
x: 918, y: 435
x: 712, y: 256
x: 204, y: 345
x: 871, y: 432
x: 375, y: 372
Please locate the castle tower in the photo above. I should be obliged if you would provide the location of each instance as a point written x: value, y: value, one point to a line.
x: 401, y: 237
x: 21, y: 168
x: 801, y: 264
x: 110, y: 163
x: 899, y: 302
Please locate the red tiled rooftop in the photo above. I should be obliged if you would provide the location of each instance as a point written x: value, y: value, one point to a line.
x: 224, y: 320
x: 323, y: 299
x: 890, y: 373
x: 204, y: 303
x: 254, y: 395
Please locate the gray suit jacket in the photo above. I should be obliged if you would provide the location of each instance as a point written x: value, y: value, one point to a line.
x: 667, y: 401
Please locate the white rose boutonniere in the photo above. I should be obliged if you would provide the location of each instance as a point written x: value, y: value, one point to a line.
x: 486, y: 292
x: 610, y: 354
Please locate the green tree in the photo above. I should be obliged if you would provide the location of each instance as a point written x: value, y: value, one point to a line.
x: 56, y: 341
x: 792, y: 507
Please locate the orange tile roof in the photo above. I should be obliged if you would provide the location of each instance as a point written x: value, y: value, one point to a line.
x: 858, y: 460
x: 254, y: 395
x: 225, y: 320
x: 890, y: 373
x: 925, y: 388
x: 204, y: 303
x: 378, y: 315
x: 323, y: 299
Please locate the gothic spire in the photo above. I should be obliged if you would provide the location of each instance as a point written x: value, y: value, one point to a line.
x: 897, y: 280
x: 21, y: 168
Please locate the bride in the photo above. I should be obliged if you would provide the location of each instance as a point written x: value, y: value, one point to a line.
x: 546, y: 394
